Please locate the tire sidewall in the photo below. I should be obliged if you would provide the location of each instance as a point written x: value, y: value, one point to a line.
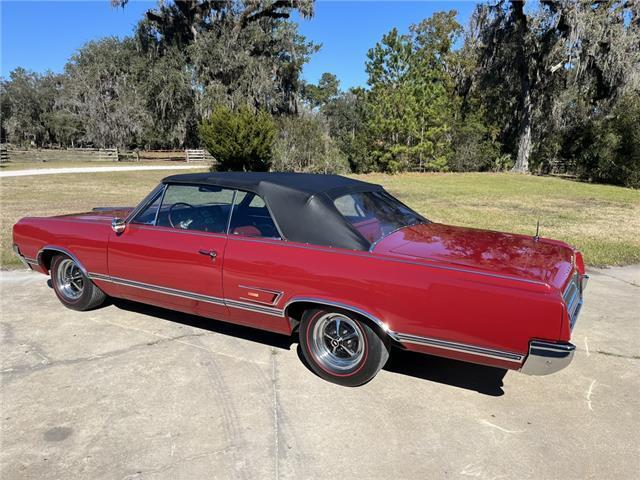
x: 83, y: 300
x: 375, y: 351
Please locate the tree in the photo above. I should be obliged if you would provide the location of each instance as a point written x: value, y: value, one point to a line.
x: 303, y: 144
x: 181, y: 21
x: 28, y: 101
x: 104, y: 89
x: 317, y: 96
x: 237, y: 52
x: 535, y: 65
x: 240, y: 140
x: 410, y: 104
x: 345, y: 116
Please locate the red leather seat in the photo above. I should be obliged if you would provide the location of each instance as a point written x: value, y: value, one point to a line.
x: 247, y: 231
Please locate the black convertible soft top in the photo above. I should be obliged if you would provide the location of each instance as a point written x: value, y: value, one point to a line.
x: 300, y: 203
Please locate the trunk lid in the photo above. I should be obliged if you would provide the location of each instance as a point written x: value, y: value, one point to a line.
x: 520, y: 256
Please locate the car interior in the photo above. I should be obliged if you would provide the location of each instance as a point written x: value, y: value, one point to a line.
x: 250, y: 217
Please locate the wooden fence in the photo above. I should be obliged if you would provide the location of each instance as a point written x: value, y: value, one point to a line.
x: 10, y: 154
x: 66, y: 155
x: 198, y: 156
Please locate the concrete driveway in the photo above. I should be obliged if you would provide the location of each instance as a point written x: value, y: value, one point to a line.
x: 134, y: 392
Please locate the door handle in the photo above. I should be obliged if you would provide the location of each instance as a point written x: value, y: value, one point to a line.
x: 211, y: 253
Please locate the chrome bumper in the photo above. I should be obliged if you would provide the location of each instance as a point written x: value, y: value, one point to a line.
x: 547, y: 357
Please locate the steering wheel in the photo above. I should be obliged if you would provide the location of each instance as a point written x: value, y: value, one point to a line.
x: 174, y: 206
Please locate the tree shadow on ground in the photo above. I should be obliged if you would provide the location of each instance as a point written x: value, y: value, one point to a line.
x: 479, y: 378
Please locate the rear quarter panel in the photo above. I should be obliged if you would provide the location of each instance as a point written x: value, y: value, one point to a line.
x: 411, y: 298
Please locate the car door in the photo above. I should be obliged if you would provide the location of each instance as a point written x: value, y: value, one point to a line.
x: 252, y: 293
x: 171, y: 253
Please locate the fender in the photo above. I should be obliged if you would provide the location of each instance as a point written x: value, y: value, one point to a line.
x: 54, y: 248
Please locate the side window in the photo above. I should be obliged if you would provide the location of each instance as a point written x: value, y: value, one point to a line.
x: 204, y: 208
x: 251, y: 217
x: 148, y: 215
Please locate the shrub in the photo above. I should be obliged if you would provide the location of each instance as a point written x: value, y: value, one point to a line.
x: 304, y: 145
x: 240, y: 140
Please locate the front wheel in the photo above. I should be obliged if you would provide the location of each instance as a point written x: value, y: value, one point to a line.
x: 340, y: 347
x: 73, y: 288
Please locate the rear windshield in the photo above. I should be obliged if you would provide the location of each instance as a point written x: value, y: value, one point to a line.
x: 375, y: 214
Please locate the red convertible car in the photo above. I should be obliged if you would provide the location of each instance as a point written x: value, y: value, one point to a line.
x: 341, y: 262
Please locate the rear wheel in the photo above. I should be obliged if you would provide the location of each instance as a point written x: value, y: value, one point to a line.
x: 73, y: 288
x: 340, y: 347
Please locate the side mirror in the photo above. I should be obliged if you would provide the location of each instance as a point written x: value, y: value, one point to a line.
x: 118, y: 225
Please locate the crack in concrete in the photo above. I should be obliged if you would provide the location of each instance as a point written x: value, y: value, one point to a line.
x: 633, y: 284
x: 170, y: 466
x: 609, y: 354
x: 28, y: 369
x: 200, y: 347
x: 618, y: 355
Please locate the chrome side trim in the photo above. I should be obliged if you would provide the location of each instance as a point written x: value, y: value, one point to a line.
x: 155, y: 288
x: 276, y: 312
x: 365, y: 254
x: 145, y: 201
x: 155, y: 218
x: 355, y: 253
x: 99, y: 276
x: 231, y: 209
x: 61, y: 250
x: 460, y: 347
x: 159, y: 228
x: 321, y: 301
x: 547, y: 357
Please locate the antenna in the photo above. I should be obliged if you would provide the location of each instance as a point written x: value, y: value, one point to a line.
x: 537, y: 236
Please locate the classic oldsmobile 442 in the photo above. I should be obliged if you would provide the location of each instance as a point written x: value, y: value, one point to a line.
x: 341, y: 262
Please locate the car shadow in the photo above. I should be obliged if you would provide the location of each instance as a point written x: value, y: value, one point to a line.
x: 217, y: 326
x: 469, y: 376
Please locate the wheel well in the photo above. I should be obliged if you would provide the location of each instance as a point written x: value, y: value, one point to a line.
x: 295, y: 311
x: 46, y: 256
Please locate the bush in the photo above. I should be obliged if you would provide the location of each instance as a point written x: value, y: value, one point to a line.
x: 240, y: 140
x: 304, y: 145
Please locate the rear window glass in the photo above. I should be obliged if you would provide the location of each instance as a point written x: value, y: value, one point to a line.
x: 375, y: 214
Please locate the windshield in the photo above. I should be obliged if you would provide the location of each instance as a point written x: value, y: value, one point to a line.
x: 375, y: 214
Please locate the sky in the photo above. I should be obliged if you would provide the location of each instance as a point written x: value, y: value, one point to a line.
x: 41, y: 36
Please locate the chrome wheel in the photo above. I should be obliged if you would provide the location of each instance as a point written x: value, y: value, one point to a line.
x: 69, y: 279
x: 337, y: 342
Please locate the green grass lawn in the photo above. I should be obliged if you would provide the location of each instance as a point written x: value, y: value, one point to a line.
x: 44, y: 195
x: 602, y: 221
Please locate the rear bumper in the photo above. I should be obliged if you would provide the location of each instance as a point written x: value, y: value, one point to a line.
x: 547, y: 357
